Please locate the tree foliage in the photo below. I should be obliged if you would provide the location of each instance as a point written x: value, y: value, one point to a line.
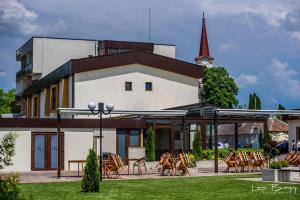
x: 90, y: 181
x: 7, y: 149
x: 149, y: 143
x: 280, y: 107
x: 197, y: 148
x: 6, y: 98
x: 254, y: 102
x: 219, y: 88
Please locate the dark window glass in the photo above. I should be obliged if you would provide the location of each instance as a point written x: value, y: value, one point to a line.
x: 35, y: 106
x: 53, y: 100
x: 128, y: 86
x: 148, y: 86
x: 134, y: 138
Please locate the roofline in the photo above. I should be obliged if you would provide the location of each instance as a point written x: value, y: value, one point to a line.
x: 115, y: 60
x: 96, y: 40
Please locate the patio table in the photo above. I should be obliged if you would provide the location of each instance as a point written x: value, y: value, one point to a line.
x: 78, y: 163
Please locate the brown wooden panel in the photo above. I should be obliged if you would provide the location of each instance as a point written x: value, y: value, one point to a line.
x: 47, y: 101
x: 65, y: 93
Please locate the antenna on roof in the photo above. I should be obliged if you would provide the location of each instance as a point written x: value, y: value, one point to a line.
x: 149, y: 25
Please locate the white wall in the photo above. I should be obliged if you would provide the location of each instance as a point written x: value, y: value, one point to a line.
x: 165, y: 50
x: 51, y: 53
x: 77, y: 144
x: 108, y: 85
x: 293, y: 124
x: 109, y: 141
x: 22, y: 158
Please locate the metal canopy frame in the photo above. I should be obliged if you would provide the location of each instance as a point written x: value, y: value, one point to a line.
x: 83, y: 111
x: 232, y: 114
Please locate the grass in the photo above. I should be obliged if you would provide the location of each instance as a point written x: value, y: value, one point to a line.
x: 217, y: 187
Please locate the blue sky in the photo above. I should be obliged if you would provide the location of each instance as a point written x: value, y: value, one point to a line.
x: 257, y: 41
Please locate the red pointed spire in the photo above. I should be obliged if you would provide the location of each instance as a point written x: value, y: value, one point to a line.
x: 204, y: 49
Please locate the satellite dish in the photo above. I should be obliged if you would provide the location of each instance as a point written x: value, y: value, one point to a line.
x: 19, y: 52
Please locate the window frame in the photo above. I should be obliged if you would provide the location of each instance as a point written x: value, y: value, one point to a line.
x: 56, y: 98
x: 146, y: 88
x: 128, y: 82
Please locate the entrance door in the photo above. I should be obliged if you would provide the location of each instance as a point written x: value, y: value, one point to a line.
x: 163, y: 141
x: 44, y: 151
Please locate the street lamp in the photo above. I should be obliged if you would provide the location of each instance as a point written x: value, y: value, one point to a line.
x: 100, y: 111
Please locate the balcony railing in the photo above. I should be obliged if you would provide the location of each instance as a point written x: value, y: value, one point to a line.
x: 23, y: 71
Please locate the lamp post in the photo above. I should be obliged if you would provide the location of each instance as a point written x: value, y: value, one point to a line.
x: 100, y: 111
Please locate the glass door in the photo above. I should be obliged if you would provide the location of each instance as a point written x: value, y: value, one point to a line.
x: 121, y: 143
x: 39, y: 151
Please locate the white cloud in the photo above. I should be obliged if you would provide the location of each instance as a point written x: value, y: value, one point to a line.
x: 246, y: 80
x: 274, y: 12
x: 15, y: 14
x: 225, y: 47
x: 282, y: 78
x: 2, y: 73
x: 295, y: 35
x: 15, y: 18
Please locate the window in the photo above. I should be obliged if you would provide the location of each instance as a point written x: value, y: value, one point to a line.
x: 54, y: 99
x: 35, y: 107
x: 128, y: 86
x: 148, y: 86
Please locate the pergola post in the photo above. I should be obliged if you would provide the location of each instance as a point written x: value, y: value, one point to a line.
x: 203, y: 133
x: 58, y: 145
x: 216, y: 140
x: 236, y: 137
x: 183, y: 135
x: 266, y: 131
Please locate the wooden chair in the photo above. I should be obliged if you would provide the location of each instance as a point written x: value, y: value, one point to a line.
x: 256, y: 160
x: 162, y: 159
x: 182, y: 166
x: 295, y: 160
x: 289, y: 155
x: 230, y: 161
x: 114, y: 165
x: 242, y: 161
x: 167, y: 164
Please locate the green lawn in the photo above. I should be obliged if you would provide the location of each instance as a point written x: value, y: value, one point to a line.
x: 222, y: 187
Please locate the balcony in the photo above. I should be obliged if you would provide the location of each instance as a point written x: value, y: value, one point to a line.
x: 23, y: 71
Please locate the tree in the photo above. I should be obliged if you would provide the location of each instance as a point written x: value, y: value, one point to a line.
x: 280, y: 107
x: 149, y: 143
x: 219, y: 88
x: 90, y: 181
x: 6, y: 98
x: 254, y: 102
x: 197, y: 148
x: 7, y: 149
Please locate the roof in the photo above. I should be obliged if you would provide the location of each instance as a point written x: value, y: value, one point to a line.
x: 115, y: 60
x: 276, y: 125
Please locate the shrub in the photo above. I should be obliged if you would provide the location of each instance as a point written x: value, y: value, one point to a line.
x: 8, y: 187
x: 276, y: 165
x: 207, y: 154
x: 7, y: 149
x: 149, y: 142
x: 90, y: 180
x: 284, y: 163
x: 197, y: 148
x: 193, y: 160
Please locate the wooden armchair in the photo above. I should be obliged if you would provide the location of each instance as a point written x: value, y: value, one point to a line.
x: 257, y: 160
x: 243, y: 161
x: 182, y: 166
x: 167, y: 164
x: 295, y: 160
x: 114, y: 165
x: 230, y: 161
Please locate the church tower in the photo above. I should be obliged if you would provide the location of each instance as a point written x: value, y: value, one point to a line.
x: 204, y: 57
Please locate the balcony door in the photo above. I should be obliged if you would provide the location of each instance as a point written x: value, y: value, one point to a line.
x: 44, y: 151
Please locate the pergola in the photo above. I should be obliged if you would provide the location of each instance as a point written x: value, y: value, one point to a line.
x: 82, y: 111
x: 216, y: 115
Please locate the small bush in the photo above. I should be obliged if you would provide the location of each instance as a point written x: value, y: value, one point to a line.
x: 207, y: 154
x: 197, y: 148
x: 90, y: 181
x: 284, y: 163
x: 150, y: 144
x: 193, y: 160
x: 8, y: 187
x: 276, y: 165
